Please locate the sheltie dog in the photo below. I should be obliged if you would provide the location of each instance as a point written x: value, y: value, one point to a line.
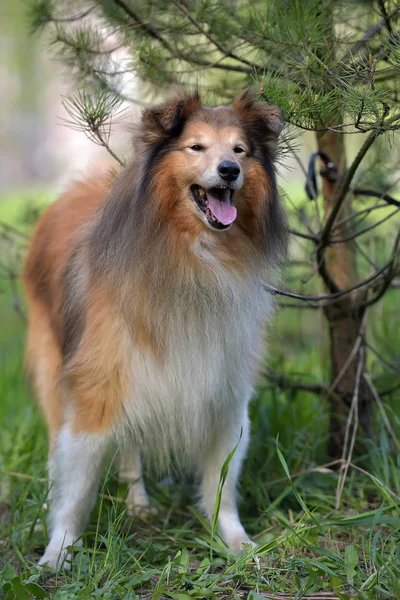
x: 147, y: 306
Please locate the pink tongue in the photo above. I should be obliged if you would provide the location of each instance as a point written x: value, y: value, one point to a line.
x: 222, y: 209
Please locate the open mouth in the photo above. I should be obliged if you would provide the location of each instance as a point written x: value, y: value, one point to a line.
x: 216, y: 205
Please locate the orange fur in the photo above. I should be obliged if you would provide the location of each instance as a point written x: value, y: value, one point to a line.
x: 97, y: 372
x: 50, y: 248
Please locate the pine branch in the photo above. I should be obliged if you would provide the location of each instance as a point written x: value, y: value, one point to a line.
x: 94, y: 116
x: 153, y: 33
x: 227, y: 53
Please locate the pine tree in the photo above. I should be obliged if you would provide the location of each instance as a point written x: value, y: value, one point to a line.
x: 333, y: 67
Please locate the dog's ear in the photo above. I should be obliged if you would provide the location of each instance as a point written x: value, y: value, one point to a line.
x: 264, y: 120
x: 166, y: 120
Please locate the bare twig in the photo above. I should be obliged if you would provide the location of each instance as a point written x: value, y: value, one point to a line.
x: 375, y: 194
x: 385, y: 15
x: 105, y: 144
x: 370, y: 33
x: 289, y: 383
x: 382, y: 410
x: 351, y: 420
x: 331, y: 297
x: 383, y: 360
x: 349, y: 360
x: 364, y: 211
x: 306, y: 236
x: 325, y: 468
x: 365, y: 230
x: 374, y: 479
x: 388, y: 277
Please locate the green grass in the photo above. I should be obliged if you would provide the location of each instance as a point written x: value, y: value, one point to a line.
x: 287, y: 495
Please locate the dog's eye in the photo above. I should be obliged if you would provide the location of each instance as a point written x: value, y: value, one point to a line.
x: 238, y: 150
x: 197, y: 147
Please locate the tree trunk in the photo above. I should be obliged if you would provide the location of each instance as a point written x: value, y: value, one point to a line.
x: 344, y: 318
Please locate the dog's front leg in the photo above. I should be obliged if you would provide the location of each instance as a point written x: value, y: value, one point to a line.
x: 76, y: 465
x: 234, y: 431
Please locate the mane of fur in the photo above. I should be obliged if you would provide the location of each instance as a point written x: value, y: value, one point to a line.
x: 155, y: 317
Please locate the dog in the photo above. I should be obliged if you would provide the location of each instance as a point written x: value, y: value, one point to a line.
x: 147, y: 305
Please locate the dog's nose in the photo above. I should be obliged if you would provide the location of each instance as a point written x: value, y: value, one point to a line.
x: 229, y: 170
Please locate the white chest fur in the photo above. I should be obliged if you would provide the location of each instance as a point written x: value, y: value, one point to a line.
x: 206, y: 373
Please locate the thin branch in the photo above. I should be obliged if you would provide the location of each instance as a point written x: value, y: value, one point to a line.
x: 382, y: 410
x: 330, y: 297
x: 383, y: 360
x: 304, y: 306
x: 353, y: 414
x: 385, y: 16
x: 152, y: 32
x: 227, y: 53
x: 346, y: 185
x: 391, y: 274
x: 104, y: 143
x: 365, y: 256
x: 321, y: 469
x: 306, y: 236
x: 370, y: 33
x: 373, y: 226
x: 73, y: 18
x: 283, y: 381
x: 349, y: 359
x: 364, y: 211
x: 146, y: 27
x: 377, y: 481
x: 375, y: 194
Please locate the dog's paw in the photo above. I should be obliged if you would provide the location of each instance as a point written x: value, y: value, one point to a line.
x: 235, y: 545
x: 141, y: 512
x: 56, y: 559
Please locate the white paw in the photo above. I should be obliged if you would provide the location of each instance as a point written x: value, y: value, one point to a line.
x: 236, y: 544
x: 142, y: 512
x: 56, y: 559
x: 235, y: 536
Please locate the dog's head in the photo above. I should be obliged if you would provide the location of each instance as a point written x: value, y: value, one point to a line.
x: 213, y: 162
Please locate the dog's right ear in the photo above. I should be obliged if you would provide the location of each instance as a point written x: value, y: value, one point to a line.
x: 166, y: 120
x: 264, y: 121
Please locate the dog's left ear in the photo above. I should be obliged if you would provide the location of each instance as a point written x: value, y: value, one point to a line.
x: 166, y: 120
x: 265, y: 120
